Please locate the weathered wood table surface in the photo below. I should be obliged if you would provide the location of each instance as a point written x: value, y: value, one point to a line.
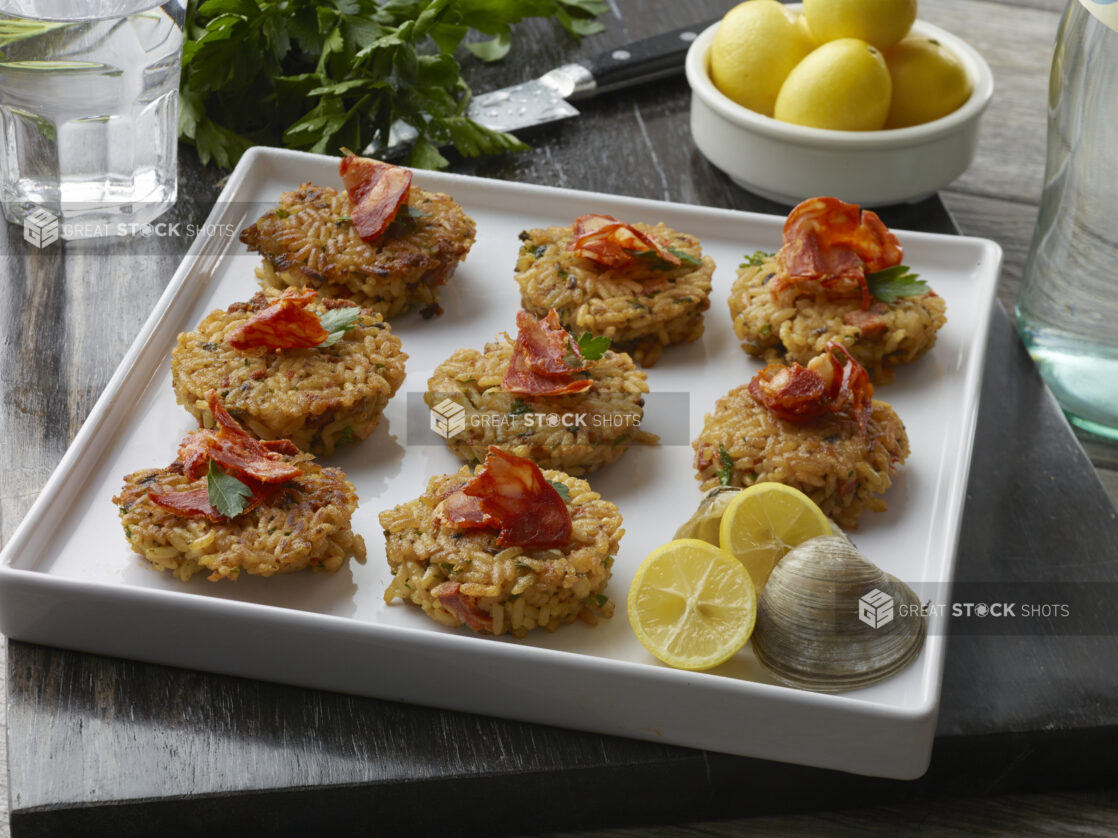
x: 99, y: 745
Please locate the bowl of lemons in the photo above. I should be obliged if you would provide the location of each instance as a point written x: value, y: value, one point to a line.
x: 852, y: 98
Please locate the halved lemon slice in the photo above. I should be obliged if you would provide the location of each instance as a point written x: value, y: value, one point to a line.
x: 691, y: 605
x: 764, y: 522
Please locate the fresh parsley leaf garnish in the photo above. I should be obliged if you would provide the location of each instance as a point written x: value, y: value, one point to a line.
x: 338, y: 321
x: 889, y: 284
x: 321, y: 74
x: 591, y: 347
x: 726, y: 472
x: 405, y: 221
x: 685, y: 257
x: 519, y: 408
x: 562, y: 489
x: 227, y: 494
x: 756, y: 259
x: 659, y: 262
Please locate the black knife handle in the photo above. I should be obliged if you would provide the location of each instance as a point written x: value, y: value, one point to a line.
x: 640, y: 61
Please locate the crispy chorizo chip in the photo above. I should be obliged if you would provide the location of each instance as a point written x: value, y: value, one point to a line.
x: 832, y: 383
x: 836, y: 244
x: 285, y: 324
x: 613, y: 243
x: 376, y: 190
x: 260, y: 466
x: 544, y: 359
x: 238, y: 453
x: 195, y: 503
x: 515, y: 499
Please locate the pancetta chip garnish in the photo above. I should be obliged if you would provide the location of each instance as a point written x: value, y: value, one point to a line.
x: 288, y: 324
x: 376, y: 190
x: 835, y: 244
x: 514, y: 498
x: 221, y: 492
x: 832, y: 383
x: 228, y: 456
x: 285, y: 324
x: 609, y: 242
x: 546, y: 360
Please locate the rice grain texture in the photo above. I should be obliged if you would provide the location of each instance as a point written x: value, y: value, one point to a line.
x: 577, y: 433
x: 317, y: 398
x: 502, y: 590
x: 305, y: 524
x: 309, y: 241
x: 829, y: 459
x: 798, y: 326
x: 642, y: 306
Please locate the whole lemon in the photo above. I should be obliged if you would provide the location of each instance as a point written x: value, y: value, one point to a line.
x: 929, y: 81
x: 755, y: 47
x: 801, y: 24
x: 843, y: 85
x: 878, y: 22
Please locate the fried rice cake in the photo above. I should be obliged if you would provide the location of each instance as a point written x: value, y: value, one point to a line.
x: 317, y: 397
x: 288, y: 514
x: 837, y: 277
x: 477, y: 575
x: 817, y: 429
x: 309, y: 240
x: 650, y: 292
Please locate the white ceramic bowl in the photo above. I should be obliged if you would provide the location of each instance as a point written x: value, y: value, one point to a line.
x: 789, y: 163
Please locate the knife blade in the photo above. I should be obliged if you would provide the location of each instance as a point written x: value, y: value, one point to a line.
x: 548, y: 98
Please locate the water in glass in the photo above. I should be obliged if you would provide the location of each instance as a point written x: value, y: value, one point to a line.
x: 88, y: 112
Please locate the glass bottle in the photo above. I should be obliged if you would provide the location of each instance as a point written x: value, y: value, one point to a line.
x: 1067, y: 312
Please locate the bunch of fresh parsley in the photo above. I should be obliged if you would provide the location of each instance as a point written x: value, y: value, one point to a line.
x: 321, y: 74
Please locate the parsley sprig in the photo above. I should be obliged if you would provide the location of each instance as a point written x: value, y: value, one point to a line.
x: 562, y: 489
x: 227, y: 494
x: 338, y: 321
x: 320, y: 74
x: 590, y: 347
x: 756, y: 259
x: 889, y: 284
x: 657, y: 261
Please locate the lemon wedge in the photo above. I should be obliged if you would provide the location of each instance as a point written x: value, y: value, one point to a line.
x: 692, y: 605
x: 765, y: 521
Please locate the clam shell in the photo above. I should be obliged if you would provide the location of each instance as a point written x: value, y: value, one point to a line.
x: 829, y: 620
x: 704, y: 523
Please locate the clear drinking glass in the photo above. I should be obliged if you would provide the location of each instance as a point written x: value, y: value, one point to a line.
x: 1067, y: 313
x: 88, y: 113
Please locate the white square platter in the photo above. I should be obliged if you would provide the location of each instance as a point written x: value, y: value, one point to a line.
x: 68, y: 578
